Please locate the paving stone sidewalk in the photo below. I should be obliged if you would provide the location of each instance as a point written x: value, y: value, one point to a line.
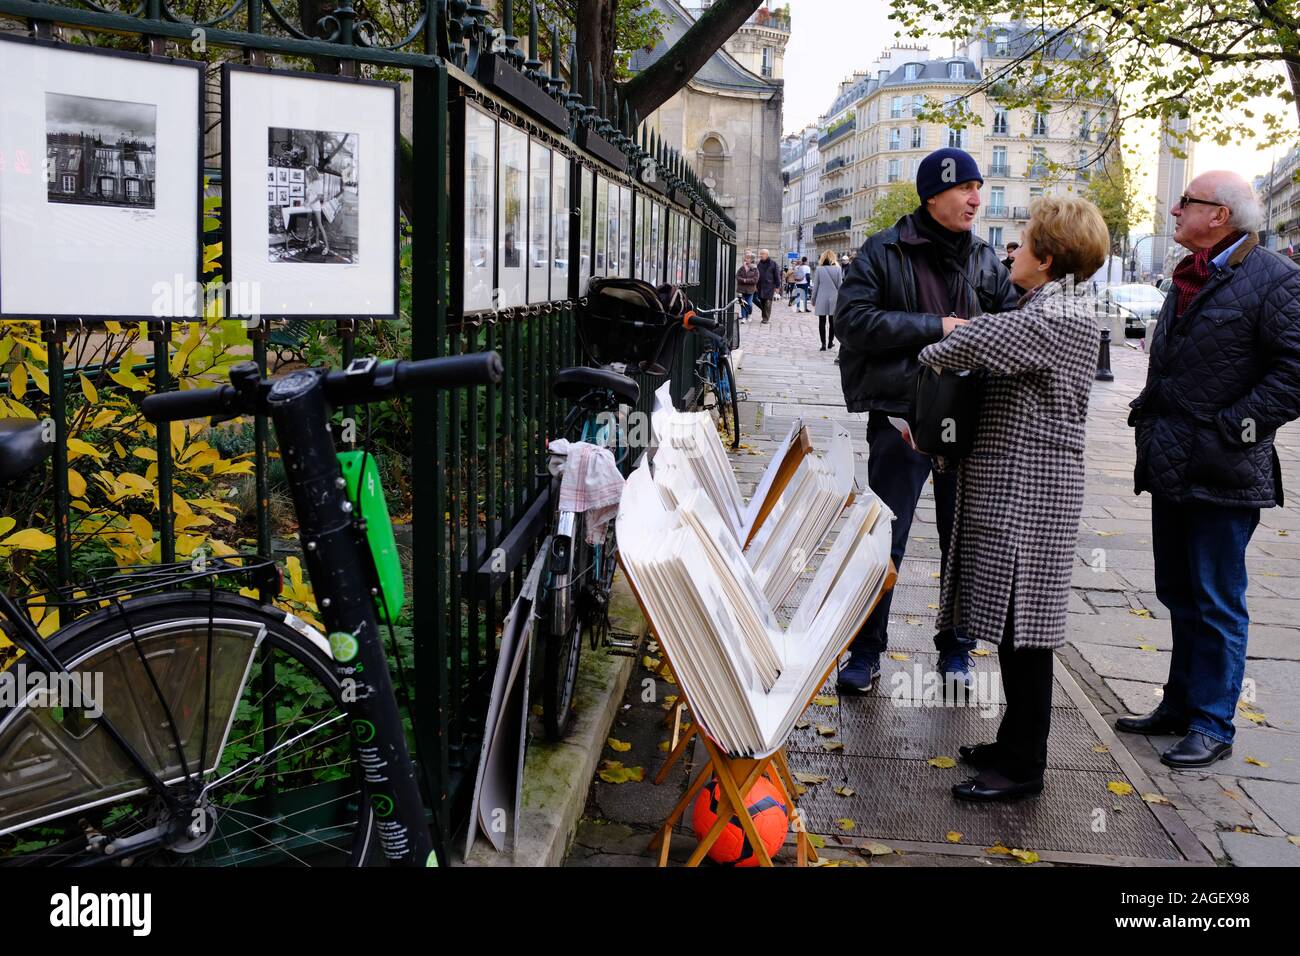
x: 1241, y: 813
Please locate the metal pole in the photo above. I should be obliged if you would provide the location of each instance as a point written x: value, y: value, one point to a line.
x: 1104, y: 374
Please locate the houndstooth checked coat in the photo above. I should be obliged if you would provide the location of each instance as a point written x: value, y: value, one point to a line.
x: 1020, y: 491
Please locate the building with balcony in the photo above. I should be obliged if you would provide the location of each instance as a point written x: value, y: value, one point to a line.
x: 1280, y: 194
x: 1173, y: 173
x: 727, y: 120
x: 801, y: 175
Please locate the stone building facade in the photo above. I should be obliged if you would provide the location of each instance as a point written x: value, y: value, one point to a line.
x: 727, y: 120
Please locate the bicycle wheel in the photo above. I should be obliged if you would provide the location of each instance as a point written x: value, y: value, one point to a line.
x: 268, y: 778
x: 728, y: 401
x: 562, y: 634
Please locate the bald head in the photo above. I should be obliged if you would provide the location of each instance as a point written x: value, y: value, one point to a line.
x: 1220, y: 203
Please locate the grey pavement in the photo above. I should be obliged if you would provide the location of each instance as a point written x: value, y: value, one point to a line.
x: 1241, y: 811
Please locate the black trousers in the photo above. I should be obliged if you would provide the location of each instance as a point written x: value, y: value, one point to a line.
x: 897, y: 474
x: 825, y: 322
x: 1027, y: 713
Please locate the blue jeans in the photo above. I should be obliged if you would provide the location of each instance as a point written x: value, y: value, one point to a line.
x: 897, y: 475
x: 801, y: 296
x: 1200, y: 564
x: 746, y: 304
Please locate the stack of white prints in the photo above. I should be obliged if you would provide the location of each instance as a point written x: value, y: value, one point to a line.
x: 747, y: 680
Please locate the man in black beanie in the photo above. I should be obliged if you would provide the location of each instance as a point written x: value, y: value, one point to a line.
x: 908, y: 286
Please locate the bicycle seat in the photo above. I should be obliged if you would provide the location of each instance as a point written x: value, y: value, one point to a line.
x: 22, y: 447
x: 572, y: 384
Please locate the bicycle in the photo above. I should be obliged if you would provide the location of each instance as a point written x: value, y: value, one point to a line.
x: 716, y: 391
x: 168, y: 769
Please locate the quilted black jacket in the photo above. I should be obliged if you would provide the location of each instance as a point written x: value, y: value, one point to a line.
x: 880, y: 328
x: 1221, y: 381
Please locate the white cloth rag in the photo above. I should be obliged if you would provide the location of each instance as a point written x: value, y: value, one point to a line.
x: 591, y: 483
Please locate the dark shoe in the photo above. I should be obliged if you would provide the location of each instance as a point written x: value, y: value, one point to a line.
x: 1195, y: 750
x: 860, y: 674
x: 979, y: 756
x: 1159, y: 721
x: 991, y: 786
x: 956, y: 669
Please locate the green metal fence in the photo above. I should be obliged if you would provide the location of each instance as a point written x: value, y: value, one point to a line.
x: 478, y: 456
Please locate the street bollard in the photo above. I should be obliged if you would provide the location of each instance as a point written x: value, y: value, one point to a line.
x: 1104, y: 374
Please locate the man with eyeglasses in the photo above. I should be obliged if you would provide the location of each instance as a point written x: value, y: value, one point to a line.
x: 1224, y: 375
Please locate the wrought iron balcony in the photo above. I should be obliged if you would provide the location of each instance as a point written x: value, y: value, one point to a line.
x: 1000, y: 169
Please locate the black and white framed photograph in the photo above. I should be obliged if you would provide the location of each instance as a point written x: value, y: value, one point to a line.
x: 693, y: 273
x: 602, y: 226
x: 656, y: 243
x: 625, y: 231
x: 613, y: 266
x: 479, y: 208
x: 102, y: 183
x: 638, y: 238
x: 326, y: 245
x: 539, y: 223
x: 318, y: 220
x: 560, y: 231
x: 586, y: 215
x: 512, y: 216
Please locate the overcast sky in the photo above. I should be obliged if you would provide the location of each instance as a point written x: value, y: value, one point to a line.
x: 829, y: 39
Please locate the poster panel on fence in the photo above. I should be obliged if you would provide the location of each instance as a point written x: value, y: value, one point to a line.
x: 612, y: 264
x: 539, y: 222
x: 512, y: 215
x: 638, y: 270
x: 480, y: 209
x: 625, y: 231
x: 602, y: 225
x: 696, y: 239
x: 324, y: 244
x: 656, y: 244
x: 560, y: 213
x: 586, y: 216
x: 101, y: 181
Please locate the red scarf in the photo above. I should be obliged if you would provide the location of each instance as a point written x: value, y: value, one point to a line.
x: 1195, y: 270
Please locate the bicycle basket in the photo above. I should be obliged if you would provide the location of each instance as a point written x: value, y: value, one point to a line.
x: 624, y: 321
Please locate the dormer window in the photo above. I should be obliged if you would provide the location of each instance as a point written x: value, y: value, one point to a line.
x: 911, y: 71
x: 956, y: 71
x: 1001, y: 44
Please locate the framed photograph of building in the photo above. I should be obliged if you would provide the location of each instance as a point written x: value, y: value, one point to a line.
x: 656, y: 243
x: 101, y: 210
x: 539, y: 223
x: 512, y: 216
x: 561, y: 213
x: 586, y: 217
x: 326, y: 247
x: 480, y: 184
x: 638, y: 237
x: 602, y: 226
x: 613, y: 264
x: 625, y: 231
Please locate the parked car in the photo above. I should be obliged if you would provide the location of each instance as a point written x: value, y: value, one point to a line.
x: 1134, y: 302
x: 1166, y: 284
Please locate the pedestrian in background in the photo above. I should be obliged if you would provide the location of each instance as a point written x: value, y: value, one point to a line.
x: 747, y: 285
x: 769, y: 284
x: 787, y: 284
x: 1011, y: 249
x: 802, y: 284
x: 1020, y: 489
x: 825, y: 288
x: 905, y: 289
x: 1223, y: 377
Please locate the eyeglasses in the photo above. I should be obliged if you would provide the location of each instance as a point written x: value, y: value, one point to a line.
x: 1185, y: 200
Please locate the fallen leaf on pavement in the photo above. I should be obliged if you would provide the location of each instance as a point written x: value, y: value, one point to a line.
x: 1294, y: 839
x: 953, y: 836
x: 825, y: 730
x: 832, y: 745
x: 622, y: 746
x: 899, y: 657
x: 812, y: 779
x: 997, y: 849
x: 933, y: 607
x: 826, y: 700
x: 802, y: 724
x: 1119, y: 789
x: 878, y: 849
x: 1025, y: 856
x: 1155, y: 798
x: 980, y: 652
x: 1254, y: 762
x: 1146, y: 647
x: 845, y: 791
x: 943, y: 763
x: 1101, y: 749
x: 650, y: 663
x: 1139, y: 612
x: 845, y: 824
x: 611, y: 771
x: 816, y: 841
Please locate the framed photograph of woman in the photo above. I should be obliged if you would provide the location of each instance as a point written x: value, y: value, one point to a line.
x: 327, y: 247
x: 512, y: 216
x: 101, y: 188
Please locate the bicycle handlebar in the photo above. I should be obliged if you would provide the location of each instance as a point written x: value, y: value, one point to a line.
x: 693, y: 320
x: 362, y: 382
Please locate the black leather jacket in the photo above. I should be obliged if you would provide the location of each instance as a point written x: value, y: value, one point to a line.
x: 878, y: 325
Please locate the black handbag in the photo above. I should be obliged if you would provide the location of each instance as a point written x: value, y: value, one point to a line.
x: 945, y: 411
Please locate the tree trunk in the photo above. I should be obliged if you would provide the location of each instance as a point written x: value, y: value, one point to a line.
x: 596, y: 42
x: 648, y: 90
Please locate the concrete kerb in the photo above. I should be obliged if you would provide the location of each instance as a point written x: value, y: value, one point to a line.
x: 557, y: 776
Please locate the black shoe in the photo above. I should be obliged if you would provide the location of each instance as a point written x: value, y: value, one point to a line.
x: 859, y: 675
x: 1159, y: 721
x: 1195, y: 750
x: 991, y: 786
x: 979, y: 756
